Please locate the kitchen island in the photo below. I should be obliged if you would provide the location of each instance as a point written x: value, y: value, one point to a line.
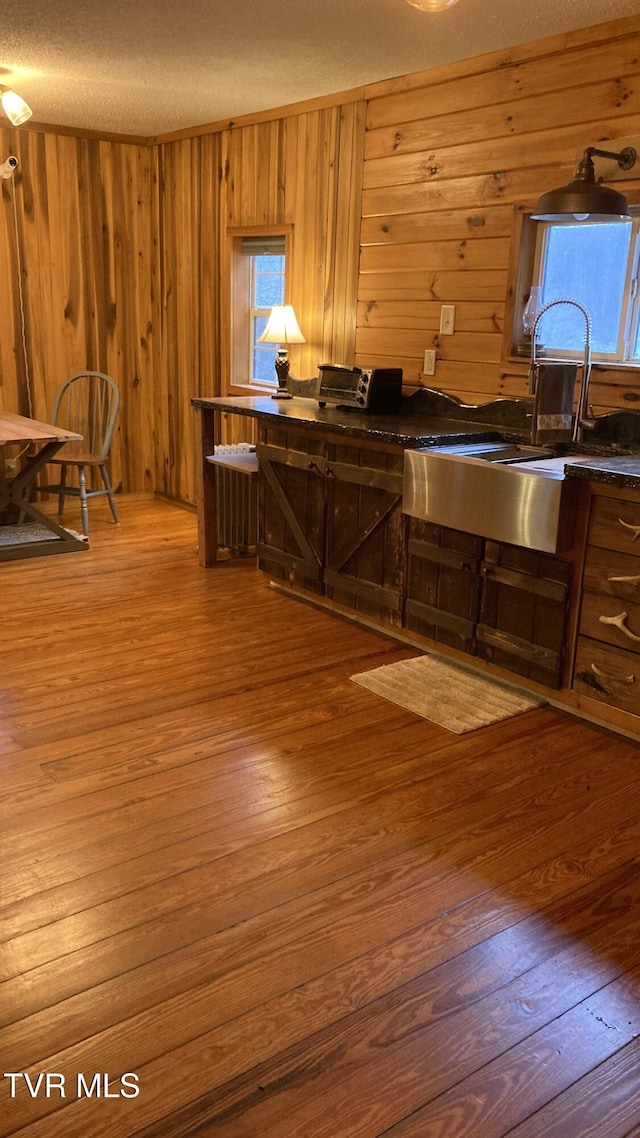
x: 330, y: 500
x: 331, y: 529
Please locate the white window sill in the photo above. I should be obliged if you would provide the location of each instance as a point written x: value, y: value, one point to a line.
x: 253, y: 388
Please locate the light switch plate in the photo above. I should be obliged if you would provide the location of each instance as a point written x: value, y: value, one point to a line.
x: 447, y: 319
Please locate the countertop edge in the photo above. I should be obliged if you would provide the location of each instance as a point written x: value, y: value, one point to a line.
x: 409, y: 431
x: 398, y: 429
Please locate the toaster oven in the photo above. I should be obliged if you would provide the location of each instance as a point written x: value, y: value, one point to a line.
x: 372, y: 389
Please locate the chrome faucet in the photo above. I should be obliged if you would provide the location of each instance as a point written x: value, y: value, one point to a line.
x: 582, y: 412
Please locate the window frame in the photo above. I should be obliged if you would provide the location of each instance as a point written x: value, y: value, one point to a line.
x: 523, y: 262
x: 240, y: 322
x: 255, y: 312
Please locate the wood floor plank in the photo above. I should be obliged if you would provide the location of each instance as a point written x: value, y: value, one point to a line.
x: 174, y: 956
x: 292, y: 908
x: 520, y: 1084
x: 397, y: 1052
x: 365, y: 835
x: 606, y: 1101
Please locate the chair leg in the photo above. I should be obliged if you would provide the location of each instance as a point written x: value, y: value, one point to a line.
x: 112, y: 501
x: 62, y: 495
x: 83, y: 500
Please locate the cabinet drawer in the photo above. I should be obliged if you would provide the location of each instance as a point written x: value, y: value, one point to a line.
x: 611, y: 620
x: 609, y: 675
x: 613, y: 574
x: 615, y: 524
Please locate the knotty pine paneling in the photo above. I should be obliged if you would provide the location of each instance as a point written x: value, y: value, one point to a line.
x: 76, y: 262
x: 122, y: 254
x: 448, y: 155
x: 304, y: 172
x: 189, y: 236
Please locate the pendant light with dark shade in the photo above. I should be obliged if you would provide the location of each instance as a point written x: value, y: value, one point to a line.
x: 584, y: 198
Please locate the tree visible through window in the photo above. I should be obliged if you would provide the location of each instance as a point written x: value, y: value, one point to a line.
x: 595, y: 263
x: 267, y: 275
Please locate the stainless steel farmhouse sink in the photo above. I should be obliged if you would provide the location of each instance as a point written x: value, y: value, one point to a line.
x: 503, y: 491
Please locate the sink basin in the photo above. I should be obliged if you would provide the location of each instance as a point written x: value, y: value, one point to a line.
x: 503, y: 491
x: 497, y: 452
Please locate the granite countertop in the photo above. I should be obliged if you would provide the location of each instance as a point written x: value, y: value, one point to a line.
x: 402, y: 428
x: 616, y: 470
x: 609, y: 454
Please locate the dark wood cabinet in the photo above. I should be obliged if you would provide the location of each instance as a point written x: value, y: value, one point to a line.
x: 331, y: 522
x: 523, y: 608
x: 504, y: 604
x: 364, y: 552
x: 443, y: 584
x: 607, y: 666
x: 291, y: 507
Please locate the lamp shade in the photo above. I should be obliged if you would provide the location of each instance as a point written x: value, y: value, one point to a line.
x: 15, y: 108
x: 582, y: 198
x: 282, y: 327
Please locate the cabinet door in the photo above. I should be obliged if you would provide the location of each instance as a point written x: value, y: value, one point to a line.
x: 523, y: 612
x: 364, y: 552
x: 443, y: 584
x: 291, y: 508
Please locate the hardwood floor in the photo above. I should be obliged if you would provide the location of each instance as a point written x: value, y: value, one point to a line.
x: 286, y: 906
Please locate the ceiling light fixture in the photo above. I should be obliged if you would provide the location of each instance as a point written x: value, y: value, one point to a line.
x: 432, y: 5
x: 15, y: 108
x: 584, y: 197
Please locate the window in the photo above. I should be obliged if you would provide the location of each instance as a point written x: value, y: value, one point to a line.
x: 258, y: 281
x: 595, y: 263
x: 266, y: 288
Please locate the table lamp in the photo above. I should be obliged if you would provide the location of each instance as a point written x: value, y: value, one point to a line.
x: 282, y: 329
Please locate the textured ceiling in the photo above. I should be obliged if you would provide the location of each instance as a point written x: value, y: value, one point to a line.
x: 147, y: 67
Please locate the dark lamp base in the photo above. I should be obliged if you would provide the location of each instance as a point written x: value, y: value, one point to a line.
x: 282, y: 371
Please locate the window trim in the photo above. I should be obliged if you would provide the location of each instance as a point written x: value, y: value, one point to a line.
x: 522, y: 259
x: 238, y: 277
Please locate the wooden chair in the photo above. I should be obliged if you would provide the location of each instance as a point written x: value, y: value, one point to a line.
x: 87, y: 403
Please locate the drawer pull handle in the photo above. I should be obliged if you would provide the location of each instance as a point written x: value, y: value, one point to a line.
x: 599, y: 674
x: 634, y: 529
x: 619, y: 621
x: 630, y: 580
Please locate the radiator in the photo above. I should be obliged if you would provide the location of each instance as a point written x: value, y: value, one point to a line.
x: 236, y: 496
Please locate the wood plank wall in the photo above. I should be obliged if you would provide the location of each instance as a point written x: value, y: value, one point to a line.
x: 450, y: 154
x: 77, y: 271
x: 121, y: 247
x: 123, y: 257
x: 302, y: 170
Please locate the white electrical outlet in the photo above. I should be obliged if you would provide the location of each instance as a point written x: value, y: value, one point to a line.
x: 447, y: 319
x: 429, y: 363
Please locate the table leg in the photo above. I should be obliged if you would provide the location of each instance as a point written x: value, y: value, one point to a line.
x: 13, y: 491
x: 207, y: 436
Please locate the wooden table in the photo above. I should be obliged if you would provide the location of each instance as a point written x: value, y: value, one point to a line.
x: 44, y: 440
